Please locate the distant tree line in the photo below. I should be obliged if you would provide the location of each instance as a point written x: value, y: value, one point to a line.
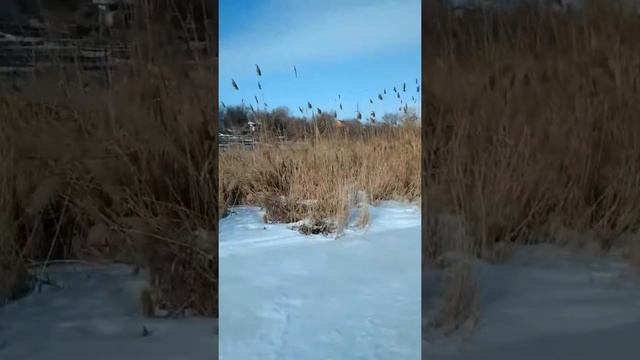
x: 280, y: 122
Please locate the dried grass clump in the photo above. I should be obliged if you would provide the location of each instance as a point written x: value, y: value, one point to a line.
x: 450, y: 249
x: 460, y: 301
x: 183, y: 279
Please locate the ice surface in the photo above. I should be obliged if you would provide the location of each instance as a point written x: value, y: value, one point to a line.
x: 96, y: 315
x: 546, y: 303
x: 284, y: 295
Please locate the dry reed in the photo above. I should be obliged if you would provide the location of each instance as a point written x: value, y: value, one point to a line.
x: 531, y: 126
x: 122, y: 170
x: 317, y: 177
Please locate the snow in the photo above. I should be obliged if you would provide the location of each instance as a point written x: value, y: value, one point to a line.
x: 546, y: 303
x: 95, y: 313
x: 284, y: 295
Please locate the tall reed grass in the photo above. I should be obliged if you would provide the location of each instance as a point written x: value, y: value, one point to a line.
x: 531, y: 128
x: 119, y: 170
x: 317, y: 174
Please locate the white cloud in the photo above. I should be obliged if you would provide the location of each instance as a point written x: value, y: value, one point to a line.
x: 329, y: 33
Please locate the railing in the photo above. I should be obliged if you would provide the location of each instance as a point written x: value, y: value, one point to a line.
x: 226, y: 141
x: 23, y: 54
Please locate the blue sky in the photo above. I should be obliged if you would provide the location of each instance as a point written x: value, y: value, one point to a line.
x: 351, y: 48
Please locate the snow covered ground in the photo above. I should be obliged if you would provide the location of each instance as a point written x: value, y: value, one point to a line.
x: 545, y: 304
x: 286, y: 296
x: 95, y: 313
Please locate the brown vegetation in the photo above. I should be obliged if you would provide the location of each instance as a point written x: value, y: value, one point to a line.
x: 531, y: 121
x: 315, y: 177
x: 122, y: 171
